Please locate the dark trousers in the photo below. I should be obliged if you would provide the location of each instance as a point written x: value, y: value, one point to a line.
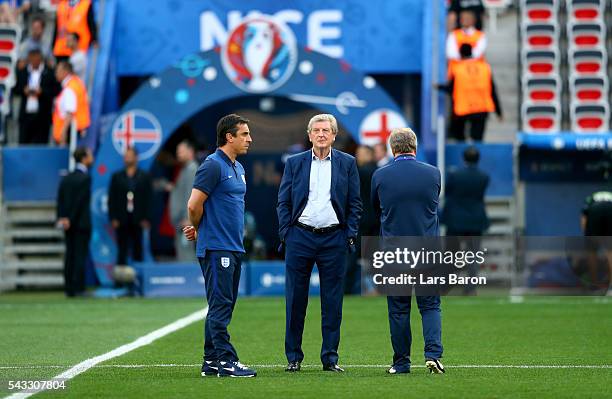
x: 33, y: 129
x: 466, y: 240
x: 129, y: 235
x: 399, y: 324
x: 478, y: 123
x: 352, y: 281
x: 303, y: 250
x: 75, y: 259
x: 221, y: 270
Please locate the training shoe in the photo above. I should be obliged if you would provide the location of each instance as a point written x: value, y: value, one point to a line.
x: 210, y: 368
x: 399, y: 370
x: 293, y: 367
x: 434, y: 366
x: 235, y: 369
x: 333, y: 367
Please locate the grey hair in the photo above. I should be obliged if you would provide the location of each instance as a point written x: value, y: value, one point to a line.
x: 324, y: 118
x: 403, y: 140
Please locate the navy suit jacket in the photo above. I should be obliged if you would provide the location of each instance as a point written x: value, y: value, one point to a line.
x: 405, y: 194
x: 464, y: 211
x: 295, y: 185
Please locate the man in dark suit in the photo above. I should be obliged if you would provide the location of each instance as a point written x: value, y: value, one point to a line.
x: 405, y: 194
x: 318, y: 215
x: 129, y: 206
x: 36, y: 85
x: 74, y: 217
x: 464, y: 212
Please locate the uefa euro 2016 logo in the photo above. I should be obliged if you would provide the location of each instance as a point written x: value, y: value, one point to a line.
x: 260, y: 55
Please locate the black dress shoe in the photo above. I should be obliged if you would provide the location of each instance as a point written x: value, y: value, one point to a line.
x: 292, y: 367
x: 333, y: 367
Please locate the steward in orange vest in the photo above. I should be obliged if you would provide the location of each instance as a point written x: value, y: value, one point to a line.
x: 467, y: 34
x: 72, y: 104
x: 474, y: 95
x: 74, y: 16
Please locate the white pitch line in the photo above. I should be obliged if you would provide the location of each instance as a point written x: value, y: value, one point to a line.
x: 450, y: 366
x: 122, y: 350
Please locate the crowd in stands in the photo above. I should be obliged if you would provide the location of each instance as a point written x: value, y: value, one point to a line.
x: 50, y: 85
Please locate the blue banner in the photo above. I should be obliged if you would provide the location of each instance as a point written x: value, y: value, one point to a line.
x: 383, y: 37
x: 267, y: 278
x: 567, y: 141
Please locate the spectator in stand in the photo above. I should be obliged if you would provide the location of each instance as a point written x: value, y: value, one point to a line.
x: 74, y: 16
x: 129, y: 207
x: 474, y: 95
x: 71, y: 104
x: 185, y: 154
x: 457, y: 6
x: 466, y: 34
x: 78, y: 58
x: 35, y: 41
x: 37, y: 87
x: 10, y: 10
x: 381, y: 155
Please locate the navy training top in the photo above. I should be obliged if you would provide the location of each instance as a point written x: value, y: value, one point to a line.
x: 222, y: 224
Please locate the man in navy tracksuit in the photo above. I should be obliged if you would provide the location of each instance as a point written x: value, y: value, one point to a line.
x: 216, y: 207
x: 319, y: 208
x: 405, y: 194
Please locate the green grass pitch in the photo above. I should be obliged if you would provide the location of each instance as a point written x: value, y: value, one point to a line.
x: 42, y: 335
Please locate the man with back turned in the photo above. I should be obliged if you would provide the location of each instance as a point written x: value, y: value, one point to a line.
x: 409, y: 209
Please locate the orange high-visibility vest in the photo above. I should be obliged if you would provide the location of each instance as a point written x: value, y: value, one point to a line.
x: 81, y: 116
x: 462, y: 38
x: 472, y: 91
x: 71, y: 19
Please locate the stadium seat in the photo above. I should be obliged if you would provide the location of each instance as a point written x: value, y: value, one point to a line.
x: 539, y: 11
x: 586, y: 10
x: 587, y: 36
x: 588, y: 89
x: 9, y: 40
x: 587, y: 62
x: 538, y: 118
x: 540, y: 62
x: 542, y: 90
x: 590, y: 118
x: 540, y: 36
x: 6, y: 68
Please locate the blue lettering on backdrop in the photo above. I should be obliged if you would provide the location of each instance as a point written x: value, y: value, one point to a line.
x: 383, y: 37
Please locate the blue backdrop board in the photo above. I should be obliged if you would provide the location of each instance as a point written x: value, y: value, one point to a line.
x: 554, y: 209
x: 32, y: 173
x: 246, y: 64
x: 495, y: 159
x: 176, y: 280
x: 267, y: 278
x: 153, y: 33
x: 559, y: 171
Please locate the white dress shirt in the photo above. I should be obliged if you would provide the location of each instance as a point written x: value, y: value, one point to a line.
x: 319, y: 211
x: 67, y: 99
x: 33, y: 84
